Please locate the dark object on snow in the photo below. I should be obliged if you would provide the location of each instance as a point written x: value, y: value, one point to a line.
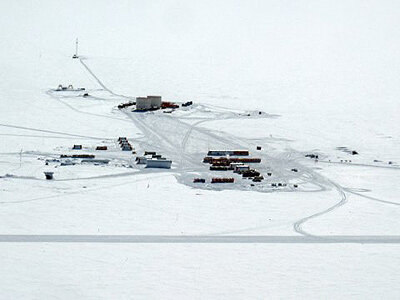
x: 199, y: 180
x: 258, y: 178
x: 211, y: 160
x: 96, y: 161
x: 77, y: 156
x: 126, y: 148
x: 354, y: 152
x: 295, y: 185
x: 77, y: 147
x: 101, y: 148
x: 222, y: 180
x: 219, y: 168
x: 86, y: 95
x: 123, y: 105
x: 228, y: 152
x: 294, y: 170
x: 150, y: 153
x: 187, y: 103
x: 250, y: 173
x: 259, y: 148
x: 49, y: 175
x: 269, y: 174
x: 169, y: 105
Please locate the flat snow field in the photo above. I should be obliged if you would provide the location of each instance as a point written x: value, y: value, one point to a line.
x: 295, y: 78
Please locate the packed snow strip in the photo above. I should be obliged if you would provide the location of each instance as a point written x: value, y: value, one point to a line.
x: 252, y: 239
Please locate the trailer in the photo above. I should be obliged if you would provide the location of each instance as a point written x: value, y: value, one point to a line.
x: 169, y: 105
x: 211, y: 160
x: 158, y: 163
x: 250, y: 173
x: 101, y: 148
x: 241, y: 168
x: 228, y: 152
x: 141, y: 160
x: 219, y: 168
x: 150, y: 152
x: 77, y: 156
x: 222, y: 180
x: 96, y: 161
x: 199, y: 180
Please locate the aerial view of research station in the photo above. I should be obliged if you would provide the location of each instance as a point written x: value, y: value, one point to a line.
x: 186, y: 149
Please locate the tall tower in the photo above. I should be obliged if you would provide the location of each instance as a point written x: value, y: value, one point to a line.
x: 76, y: 49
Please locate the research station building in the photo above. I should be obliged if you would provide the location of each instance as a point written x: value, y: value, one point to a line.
x: 149, y: 102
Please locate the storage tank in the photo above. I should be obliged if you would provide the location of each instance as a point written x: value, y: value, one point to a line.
x: 155, y: 101
x: 143, y: 103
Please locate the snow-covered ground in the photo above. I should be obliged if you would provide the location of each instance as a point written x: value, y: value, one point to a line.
x: 323, y: 74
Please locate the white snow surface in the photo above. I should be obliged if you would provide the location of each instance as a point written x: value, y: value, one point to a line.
x: 323, y: 74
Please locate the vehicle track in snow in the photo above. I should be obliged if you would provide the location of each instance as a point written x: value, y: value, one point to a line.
x: 101, y: 83
x: 81, y: 191
x: 298, y: 226
x: 353, y: 164
x: 50, y: 94
x: 52, y: 132
x: 372, y: 198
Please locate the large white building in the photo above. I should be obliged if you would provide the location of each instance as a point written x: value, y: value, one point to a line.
x: 149, y: 102
x: 155, y: 101
x: 142, y: 103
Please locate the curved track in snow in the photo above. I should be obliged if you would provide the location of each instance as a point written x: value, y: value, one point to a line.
x: 297, y: 226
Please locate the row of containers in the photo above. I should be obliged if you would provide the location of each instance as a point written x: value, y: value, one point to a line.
x: 215, y: 180
x: 124, y: 144
x: 150, y: 158
x: 231, y: 160
x: 79, y: 147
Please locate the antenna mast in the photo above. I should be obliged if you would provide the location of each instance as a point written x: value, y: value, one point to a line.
x: 76, y: 49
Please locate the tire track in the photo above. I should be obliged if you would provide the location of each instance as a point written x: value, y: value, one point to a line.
x: 298, y: 226
x: 101, y: 83
x: 52, y: 132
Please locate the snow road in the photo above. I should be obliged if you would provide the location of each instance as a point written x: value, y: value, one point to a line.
x: 238, y: 239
